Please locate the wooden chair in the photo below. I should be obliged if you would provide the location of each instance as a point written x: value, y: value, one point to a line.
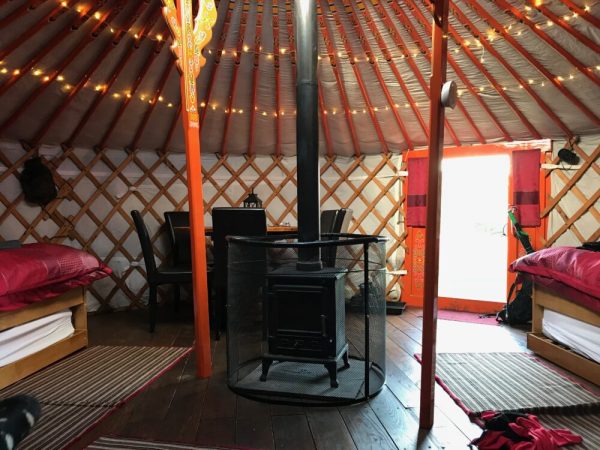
x: 334, y: 221
x: 177, y: 224
x: 157, y: 276
x: 230, y: 222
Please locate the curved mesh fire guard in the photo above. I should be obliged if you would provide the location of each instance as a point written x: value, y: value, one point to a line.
x: 306, y: 337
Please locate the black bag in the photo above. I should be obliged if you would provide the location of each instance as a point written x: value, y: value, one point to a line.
x: 518, y: 311
x: 37, y: 182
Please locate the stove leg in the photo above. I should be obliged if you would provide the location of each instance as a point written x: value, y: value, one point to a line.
x: 266, y: 363
x: 345, y: 358
x: 332, y: 369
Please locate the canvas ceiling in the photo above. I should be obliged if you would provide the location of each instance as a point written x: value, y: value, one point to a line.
x: 100, y: 74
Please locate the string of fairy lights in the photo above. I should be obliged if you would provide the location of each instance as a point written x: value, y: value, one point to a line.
x: 515, y: 29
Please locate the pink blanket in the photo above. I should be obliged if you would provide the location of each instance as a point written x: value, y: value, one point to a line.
x: 36, y: 272
x: 575, y: 269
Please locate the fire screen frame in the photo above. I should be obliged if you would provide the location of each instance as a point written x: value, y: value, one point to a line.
x: 244, y: 284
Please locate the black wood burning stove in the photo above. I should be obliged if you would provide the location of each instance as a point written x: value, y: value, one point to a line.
x: 306, y: 318
x: 283, y: 325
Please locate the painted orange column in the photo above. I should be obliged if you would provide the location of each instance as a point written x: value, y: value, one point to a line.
x: 436, y: 145
x: 189, y: 37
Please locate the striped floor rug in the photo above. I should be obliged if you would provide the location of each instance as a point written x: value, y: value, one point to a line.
x: 80, y: 390
x: 520, y: 382
x: 509, y: 382
x: 115, y: 443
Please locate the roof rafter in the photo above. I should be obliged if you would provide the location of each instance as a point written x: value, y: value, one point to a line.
x: 21, y: 10
x: 255, y: 75
x: 426, y: 25
x: 388, y: 57
x: 463, y: 19
x: 333, y: 58
x: 55, y: 72
x: 110, y: 45
x: 35, y: 28
x: 134, y: 45
x: 239, y: 51
x: 565, y: 26
x: 425, y: 50
x: 358, y: 75
x: 582, y: 12
x: 275, y: 19
x: 351, y: 9
x: 397, y: 37
x: 49, y: 46
x: 216, y: 64
x: 552, y: 78
x: 136, y: 84
x: 156, y: 98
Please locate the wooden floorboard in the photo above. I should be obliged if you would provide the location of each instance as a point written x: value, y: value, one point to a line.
x: 181, y: 408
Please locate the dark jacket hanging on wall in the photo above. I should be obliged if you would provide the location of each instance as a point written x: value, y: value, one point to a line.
x: 37, y: 182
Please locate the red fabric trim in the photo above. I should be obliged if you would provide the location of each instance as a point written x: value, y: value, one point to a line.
x: 526, y: 187
x: 416, y: 210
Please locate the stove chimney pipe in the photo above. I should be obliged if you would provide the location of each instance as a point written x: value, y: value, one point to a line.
x: 307, y: 133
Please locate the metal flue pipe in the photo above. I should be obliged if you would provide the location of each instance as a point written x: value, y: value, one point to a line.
x: 307, y: 132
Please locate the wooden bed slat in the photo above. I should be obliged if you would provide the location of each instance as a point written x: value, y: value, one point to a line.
x: 546, y: 348
x: 74, y: 299
x: 35, y: 311
x: 32, y: 363
x: 583, y: 367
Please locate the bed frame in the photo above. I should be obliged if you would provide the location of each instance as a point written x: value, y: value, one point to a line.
x: 550, y: 350
x: 74, y: 299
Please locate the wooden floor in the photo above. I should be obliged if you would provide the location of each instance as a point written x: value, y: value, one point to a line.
x: 178, y: 407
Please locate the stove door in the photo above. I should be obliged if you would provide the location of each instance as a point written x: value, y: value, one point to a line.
x: 299, y: 323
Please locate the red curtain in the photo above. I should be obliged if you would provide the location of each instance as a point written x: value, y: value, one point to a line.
x: 416, y: 211
x: 526, y: 187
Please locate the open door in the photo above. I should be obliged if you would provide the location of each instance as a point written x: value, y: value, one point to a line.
x: 476, y: 240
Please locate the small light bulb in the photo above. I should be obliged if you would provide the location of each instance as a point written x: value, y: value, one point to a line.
x: 97, y: 15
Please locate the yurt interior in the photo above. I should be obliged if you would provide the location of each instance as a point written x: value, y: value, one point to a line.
x: 299, y: 224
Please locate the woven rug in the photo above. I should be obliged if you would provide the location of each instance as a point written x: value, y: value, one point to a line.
x: 79, y: 391
x: 509, y: 382
x: 117, y: 443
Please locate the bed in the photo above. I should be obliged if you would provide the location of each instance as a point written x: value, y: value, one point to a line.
x: 566, y: 308
x: 42, y: 306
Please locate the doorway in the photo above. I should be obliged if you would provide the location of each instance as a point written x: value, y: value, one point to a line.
x: 473, y: 239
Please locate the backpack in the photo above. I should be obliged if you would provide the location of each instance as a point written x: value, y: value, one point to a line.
x: 37, y: 182
x: 518, y: 311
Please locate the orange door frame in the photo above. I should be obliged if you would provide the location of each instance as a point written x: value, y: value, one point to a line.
x: 413, y: 283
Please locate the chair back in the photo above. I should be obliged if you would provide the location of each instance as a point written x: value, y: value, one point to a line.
x: 233, y: 222
x: 179, y: 238
x: 342, y: 221
x: 333, y: 221
x: 146, y: 244
x: 328, y: 220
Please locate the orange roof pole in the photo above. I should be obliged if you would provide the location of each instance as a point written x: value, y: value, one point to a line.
x: 189, y: 38
x: 439, y: 57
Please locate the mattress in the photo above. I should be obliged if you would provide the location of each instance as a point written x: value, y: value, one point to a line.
x: 31, y: 337
x: 581, y: 337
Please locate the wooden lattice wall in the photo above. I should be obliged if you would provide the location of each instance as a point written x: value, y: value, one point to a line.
x: 573, y: 208
x: 99, y: 188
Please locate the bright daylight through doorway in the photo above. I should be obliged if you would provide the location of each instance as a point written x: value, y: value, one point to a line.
x: 473, y: 241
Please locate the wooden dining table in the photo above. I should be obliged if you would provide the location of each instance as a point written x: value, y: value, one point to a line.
x: 271, y: 230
